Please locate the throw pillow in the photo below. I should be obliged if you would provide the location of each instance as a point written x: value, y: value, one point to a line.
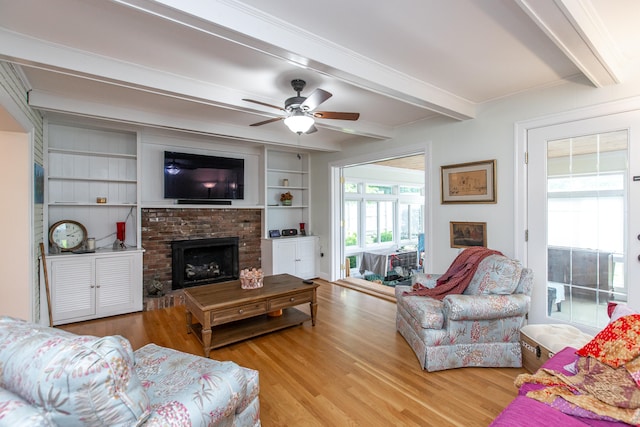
x: 620, y: 310
x: 618, y: 343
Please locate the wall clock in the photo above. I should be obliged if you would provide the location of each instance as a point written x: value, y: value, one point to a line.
x: 68, y: 235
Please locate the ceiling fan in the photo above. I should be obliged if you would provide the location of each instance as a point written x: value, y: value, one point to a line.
x: 300, y: 110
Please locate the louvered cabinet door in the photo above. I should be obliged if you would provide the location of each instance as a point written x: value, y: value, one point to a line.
x: 89, y: 286
x: 117, y: 284
x: 72, y: 288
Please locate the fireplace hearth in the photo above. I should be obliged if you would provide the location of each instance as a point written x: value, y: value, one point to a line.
x: 203, y: 261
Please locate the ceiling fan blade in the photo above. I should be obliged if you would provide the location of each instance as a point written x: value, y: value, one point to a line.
x: 316, y: 98
x: 336, y: 115
x: 275, y: 119
x: 263, y: 103
x: 312, y: 129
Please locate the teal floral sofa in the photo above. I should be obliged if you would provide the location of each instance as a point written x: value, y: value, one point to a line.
x: 479, y: 327
x: 49, y: 377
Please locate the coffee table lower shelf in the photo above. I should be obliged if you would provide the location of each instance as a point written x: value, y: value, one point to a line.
x: 251, y: 327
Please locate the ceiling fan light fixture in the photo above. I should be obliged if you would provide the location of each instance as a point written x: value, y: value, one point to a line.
x: 298, y: 122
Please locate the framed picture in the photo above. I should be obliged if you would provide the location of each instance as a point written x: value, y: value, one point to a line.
x: 469, y: 182
x: 466, y: 234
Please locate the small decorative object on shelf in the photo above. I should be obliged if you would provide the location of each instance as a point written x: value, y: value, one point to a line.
x: 286, y: 198
x: 101, y: 200
x: 285, y: 182
x: 251, y: 279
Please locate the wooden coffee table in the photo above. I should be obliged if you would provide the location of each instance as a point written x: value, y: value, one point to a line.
x: 227, y: 313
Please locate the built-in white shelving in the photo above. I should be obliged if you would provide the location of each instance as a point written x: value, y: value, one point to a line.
x: 286, y: 172
x: 84, y: 164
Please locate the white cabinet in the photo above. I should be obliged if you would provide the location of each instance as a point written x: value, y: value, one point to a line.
x: 286, y: 172
x: 84, y: 164
x: 293, y: 255
x: 88, y: 286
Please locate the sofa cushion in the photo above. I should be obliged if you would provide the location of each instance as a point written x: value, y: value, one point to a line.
x: 191, y: 390
x: 15, y: 411
x: 496, y: 274
x: 77, y: 380
x: 426, y: 311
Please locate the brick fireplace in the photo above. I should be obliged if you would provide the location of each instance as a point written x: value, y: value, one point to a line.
x: 161, y: 226
x: 197, y: 262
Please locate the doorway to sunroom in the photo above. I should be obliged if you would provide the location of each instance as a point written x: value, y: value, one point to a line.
x: 383, y: 211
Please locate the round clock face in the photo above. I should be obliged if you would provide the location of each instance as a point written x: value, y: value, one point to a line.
x: 68, y: 235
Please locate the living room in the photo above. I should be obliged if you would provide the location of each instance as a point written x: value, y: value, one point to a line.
x: 497, y: 132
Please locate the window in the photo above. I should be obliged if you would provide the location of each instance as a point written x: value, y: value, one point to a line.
x: 411, y: 221
x: 410, y: 190
x: 351, y: 221
x: 592, y: 202
x: 378, y: 189
x: 379, y: 222
x: 351, y: 187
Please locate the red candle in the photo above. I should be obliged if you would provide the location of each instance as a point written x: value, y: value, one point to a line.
x: 120, y: 226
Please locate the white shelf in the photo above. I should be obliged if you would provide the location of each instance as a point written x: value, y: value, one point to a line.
x: 281, y: 187
x: 92, y: 153
x: 68, y: 178
x: 288, y: 171
x: 126, y: 204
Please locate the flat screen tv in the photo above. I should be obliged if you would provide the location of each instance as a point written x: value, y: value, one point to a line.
x: 199, y: 177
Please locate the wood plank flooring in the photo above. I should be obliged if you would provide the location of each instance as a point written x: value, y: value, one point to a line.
x: 351, y: 369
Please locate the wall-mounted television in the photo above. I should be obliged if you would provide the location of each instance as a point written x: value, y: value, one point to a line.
x: 199, y: 177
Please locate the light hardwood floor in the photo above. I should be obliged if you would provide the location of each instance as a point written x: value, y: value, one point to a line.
x: 351, y: 369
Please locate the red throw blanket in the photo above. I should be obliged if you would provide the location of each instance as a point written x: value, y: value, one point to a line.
x: 458, y: 276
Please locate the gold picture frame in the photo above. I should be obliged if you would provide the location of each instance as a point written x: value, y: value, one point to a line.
x: 467, y: 234
x: 473, y: 182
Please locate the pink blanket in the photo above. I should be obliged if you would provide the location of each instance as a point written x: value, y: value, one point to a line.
x: 526, y: 412
x: 458, y: 276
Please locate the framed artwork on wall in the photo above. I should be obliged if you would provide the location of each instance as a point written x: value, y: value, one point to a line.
x: 467, y: 234
x: 473, y: 182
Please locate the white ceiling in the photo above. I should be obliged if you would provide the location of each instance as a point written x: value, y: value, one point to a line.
x: 188, y: 64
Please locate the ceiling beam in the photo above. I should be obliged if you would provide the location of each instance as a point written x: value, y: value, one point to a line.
x: 247, y: 26
x: 118, y: 113
x: 31, y: 52
x: 574, y: 27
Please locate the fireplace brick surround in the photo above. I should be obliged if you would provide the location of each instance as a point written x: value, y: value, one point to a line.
x: 161, y: 226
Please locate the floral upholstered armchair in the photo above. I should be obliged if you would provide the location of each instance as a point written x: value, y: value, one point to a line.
x: 479, y: 327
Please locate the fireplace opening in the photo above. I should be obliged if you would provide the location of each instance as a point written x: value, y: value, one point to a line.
x: 203, y: 261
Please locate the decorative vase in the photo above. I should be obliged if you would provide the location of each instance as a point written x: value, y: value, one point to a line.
x: 286, y: 202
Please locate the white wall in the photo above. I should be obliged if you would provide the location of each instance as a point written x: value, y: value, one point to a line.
x: 15, y: 252
x: 17, y: 116
x: 489, y: 136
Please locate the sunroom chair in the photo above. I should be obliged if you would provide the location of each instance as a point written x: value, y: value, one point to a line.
x: 479, y: 327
